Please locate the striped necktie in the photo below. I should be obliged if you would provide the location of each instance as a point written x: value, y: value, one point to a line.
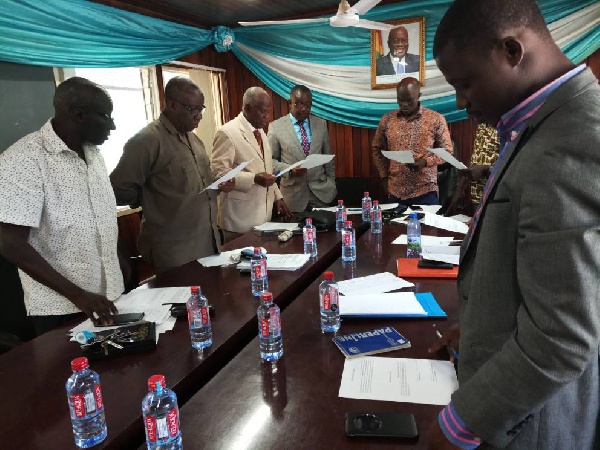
x: 303, y: 137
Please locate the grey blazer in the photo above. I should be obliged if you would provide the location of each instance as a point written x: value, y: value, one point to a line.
x: 529, y: 285
x: 286, y: 149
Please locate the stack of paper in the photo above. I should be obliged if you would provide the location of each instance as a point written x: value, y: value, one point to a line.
x: 149, y: 301
x: 425, y: 240
x: 444, y: 253
x: 373, y: 284
x: 289, y: 261
x: 223, y: 259
x: 395, y: 304
x: 277, y: 226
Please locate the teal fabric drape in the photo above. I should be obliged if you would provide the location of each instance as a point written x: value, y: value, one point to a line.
x: 79, y: 33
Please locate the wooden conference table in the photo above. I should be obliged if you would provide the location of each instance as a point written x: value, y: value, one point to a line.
x: 294, y: 403
x: 33, y: 375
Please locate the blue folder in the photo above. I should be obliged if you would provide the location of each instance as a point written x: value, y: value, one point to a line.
x: 427, y: 301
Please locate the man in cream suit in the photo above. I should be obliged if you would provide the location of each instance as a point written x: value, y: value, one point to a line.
x: 529, y: 292
x: 255, y: 194
x: 292, y: 138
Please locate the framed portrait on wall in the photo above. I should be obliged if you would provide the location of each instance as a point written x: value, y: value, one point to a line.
x: 398, y: 53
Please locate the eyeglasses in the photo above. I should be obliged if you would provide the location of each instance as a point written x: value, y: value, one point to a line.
x: 191, y: 109
x: 302, y: 104
x: 101, y: 114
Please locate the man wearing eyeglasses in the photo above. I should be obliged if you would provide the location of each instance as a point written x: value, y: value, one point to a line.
x: 58, y: 221
x: 292, y: 138
x: 165, y: 169
x: 398, y: 61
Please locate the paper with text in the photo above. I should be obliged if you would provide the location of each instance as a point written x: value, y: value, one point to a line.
x: 447, y: 156
x: 228, y: 176
x: 444, y: 253
x: 402, y: 156
x: 395, y: 304
x: 224, y: 258
x: 277, y: 226
x: 425, y: 240
x: 312, y: 160
x: 372, y: 284
x: 422, y: 381
x: 287, y: 261
x: 445, y: 223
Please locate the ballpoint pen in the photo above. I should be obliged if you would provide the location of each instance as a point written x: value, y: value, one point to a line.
x: 277, y: 173
x: 451, y: 352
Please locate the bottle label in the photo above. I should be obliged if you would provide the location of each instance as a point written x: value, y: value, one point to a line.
x: 308, y: 236
x: 98, y: 397
x: 258, y: 272
x: 205, y: 316
x: 333, y: 298
x: 151, y: 428
x: 263, y: 265
x: 87, y: 403
x: 275, y: 322
x: 264, y: 327
x: 347, y: 238
x: 173, y: 423
x: 326, y: 301
x: 162, y: 429
x: 368, y: 205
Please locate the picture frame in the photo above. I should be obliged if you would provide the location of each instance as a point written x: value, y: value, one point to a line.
x: 409, y: 37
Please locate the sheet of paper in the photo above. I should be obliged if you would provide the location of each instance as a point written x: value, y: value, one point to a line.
x: 426, y: 240
x: 350, y: 211
x: 461, y: 218
x: 446, y: 156
x: 228, y: 176
x: 223, y: 259
x: 288, y: 261
x: 316, y: 160
x: 444, y: 253
x: 444, y: 223
x: 402, y: 156
x: 386, y: 304
x: 433, y: 209
x: 373, y: 284
x: 276, y: 226
x: 423, y: 381
x: 150, y: 301
x: 287, y: 169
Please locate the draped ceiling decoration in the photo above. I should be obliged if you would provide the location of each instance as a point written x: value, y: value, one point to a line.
x: 333, y: 62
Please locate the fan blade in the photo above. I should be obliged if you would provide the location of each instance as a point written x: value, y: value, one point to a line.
x: 374, y: 25
x: 281, y: 22
x: 364, y: 6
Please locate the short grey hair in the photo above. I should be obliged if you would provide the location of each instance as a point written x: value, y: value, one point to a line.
x: 251, y: 95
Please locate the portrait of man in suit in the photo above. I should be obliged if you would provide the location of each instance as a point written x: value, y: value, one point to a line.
x: 399, y: 54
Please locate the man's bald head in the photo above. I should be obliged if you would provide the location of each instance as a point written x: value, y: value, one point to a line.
x: 408, y: 93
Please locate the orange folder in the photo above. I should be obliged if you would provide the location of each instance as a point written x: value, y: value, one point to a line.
x: 407, y: 268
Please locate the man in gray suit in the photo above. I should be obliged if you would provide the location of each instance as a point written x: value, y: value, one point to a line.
x: 398, y: 61
x: 529, y: 372
x: 292, y: 138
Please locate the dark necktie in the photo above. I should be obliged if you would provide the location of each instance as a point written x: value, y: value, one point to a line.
x: 259, y: 140
x: 303, y: 137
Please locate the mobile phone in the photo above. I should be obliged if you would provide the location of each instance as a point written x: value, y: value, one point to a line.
x: 385, y: 425
x: 430, y: 264
x: 123, y: 319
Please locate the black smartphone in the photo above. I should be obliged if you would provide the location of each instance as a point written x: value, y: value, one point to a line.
x: 430, y: 264
x: 123, y: 319
x: 385, y: 425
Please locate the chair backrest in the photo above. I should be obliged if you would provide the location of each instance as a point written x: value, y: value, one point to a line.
x: 14, y: 319
x: 351, y: 189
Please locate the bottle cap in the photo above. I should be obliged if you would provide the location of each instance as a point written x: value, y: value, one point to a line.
x: 156, y: 379
x: 340, y: 202
x: 266, y: 297
x: 413, y: 215
x: 195, y: 289
x: 376, y: 202
x: 366, y: 193
x: 83, y: 337
x: 308, y: 220
x: 348, y: 223
x: 328, y: 275
x: 80, y: 363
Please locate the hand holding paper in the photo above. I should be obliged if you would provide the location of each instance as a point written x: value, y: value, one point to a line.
x: 403, y: 156
x: 446, y: 156
x: 313, y: 160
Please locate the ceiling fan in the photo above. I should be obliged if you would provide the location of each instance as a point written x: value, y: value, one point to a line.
x: 347, y: 16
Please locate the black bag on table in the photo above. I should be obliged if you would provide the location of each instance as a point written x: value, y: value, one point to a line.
x: 321, y: 220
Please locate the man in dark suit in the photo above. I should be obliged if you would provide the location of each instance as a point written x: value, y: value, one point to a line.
x: 529, y: 371
x: 398, y: 61
x: 292, y: 138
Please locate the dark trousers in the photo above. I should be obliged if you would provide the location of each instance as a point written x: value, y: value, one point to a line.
x: 430, y: 198
x: 43, y: 324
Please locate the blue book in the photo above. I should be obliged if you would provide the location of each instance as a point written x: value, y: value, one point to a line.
x: 381, y: 340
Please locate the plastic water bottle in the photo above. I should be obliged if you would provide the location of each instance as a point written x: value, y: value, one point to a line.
x: 366, y: 207
x: 161, y: 416
x: 348, y: 242
x: 199, y: 319
x: 376, y: 219
x: 85, y: 403
x: 269, y: 329
x: 413, y: 237
x: 310, y: 239
x: 258, y: 273
x: 330, y: 307
x: 340, y: 216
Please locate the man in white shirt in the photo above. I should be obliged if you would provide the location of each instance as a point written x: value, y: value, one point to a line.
x: 58, y: 211
x: 398, y: 61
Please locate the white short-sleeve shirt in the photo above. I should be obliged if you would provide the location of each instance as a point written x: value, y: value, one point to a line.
x: 71, y: 209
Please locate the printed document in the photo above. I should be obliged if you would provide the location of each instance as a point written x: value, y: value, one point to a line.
x: 423, y: 381
x: 445, y: 223
x: 286, y: 261
x: 445, y: 253
x: 312, y: 160
x: 425, y: 240
x: 277, y: 226
x: 228, y: 176
x: 223, y: 259
x: 402, y: 156
x: 373, y: 284
x: 395, y: 304
x: 447, y: 156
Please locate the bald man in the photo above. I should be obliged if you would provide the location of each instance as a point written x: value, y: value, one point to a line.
x: 58, y: 221
x: 256, y: 194
x: 165, y: 169
x: 413, y: 128
x: 398, y: 61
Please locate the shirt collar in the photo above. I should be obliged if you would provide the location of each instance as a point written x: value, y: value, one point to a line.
x: 246, y: 123
x: 514, y: 121
x: 167, y: 124
x: 296, y: 121
x: 55, y: 145
x: 416, y: 116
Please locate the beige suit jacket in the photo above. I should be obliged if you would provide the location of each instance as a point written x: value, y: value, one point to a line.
x: 248, y: 204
